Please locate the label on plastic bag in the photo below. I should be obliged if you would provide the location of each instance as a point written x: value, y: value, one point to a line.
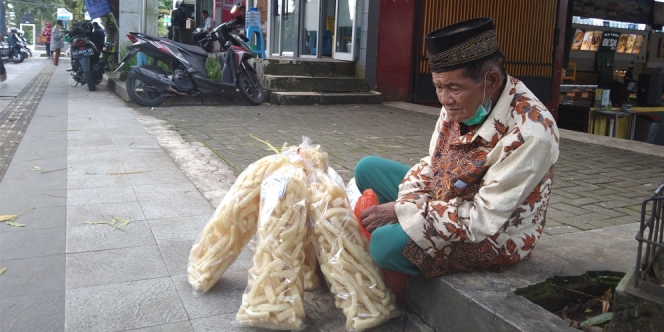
x: 274, y: 186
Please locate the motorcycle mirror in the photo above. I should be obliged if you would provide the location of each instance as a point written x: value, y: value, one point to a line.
x: 234, y: 9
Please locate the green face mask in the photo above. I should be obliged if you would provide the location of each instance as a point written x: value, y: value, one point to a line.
x: 480, y: 114
x: 482, y: 111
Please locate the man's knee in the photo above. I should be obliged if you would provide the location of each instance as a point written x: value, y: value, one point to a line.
x: 366, y: 167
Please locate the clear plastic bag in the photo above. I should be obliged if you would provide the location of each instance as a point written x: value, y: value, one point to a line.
x: 343, y: 255
x: 232, y: 225
x: 274, y: 295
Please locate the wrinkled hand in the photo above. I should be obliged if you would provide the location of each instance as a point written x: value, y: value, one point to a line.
x: 378, y: 215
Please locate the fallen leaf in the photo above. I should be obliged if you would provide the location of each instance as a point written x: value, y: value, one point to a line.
x: 605, y: 317
x: 12, y: 217
x: 37, y: 168
x: 7, y: 217
x: 2, y: 270
x: 14, y: 224
x: 116, y: 222
x: 15, y: 142
x: 588, y: 311
x: 151, y: 108
x: 90, y: 173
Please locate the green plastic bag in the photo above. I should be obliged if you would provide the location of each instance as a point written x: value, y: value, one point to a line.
x: 66, y: 40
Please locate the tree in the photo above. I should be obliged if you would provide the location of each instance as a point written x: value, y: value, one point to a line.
x: 76, y: 8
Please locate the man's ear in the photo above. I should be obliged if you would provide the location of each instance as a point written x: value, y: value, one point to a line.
x: 493, y: 80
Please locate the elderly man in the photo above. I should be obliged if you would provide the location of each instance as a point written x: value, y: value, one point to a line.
x: 479, y: 200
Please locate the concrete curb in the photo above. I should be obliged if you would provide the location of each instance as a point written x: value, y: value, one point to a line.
x: 221, y: 99
x: 485, y: 301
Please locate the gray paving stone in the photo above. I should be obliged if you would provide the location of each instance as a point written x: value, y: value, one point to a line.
x: 168, y: 208
x: 101, y: 237
x: 95, y: 268
x: 43, y: 242
x: 20, y: 201
x: 176, y: 255
x: 171, y: 191
x: 78, y: 214
x: 35, y: 275
x: 178, y: 229
x: 149, y: 176
x: 100, y: 195
x: 184, y: 326
x: 39, y: 218
x: 75, y: 158
x: 124, y: 306
x: 97, y: 181
x: 38, y: 312
x: 556, y: 230
x: 225, y: 297
x: 95, y: 169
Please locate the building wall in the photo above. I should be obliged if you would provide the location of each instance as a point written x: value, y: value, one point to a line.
x: 395, y: 49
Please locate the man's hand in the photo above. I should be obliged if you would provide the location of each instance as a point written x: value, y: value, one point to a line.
x: 379, y: 215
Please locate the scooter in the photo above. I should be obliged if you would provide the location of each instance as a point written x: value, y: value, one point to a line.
x: 25, y: 50
x: 11, y: 48
x: 150, y: 85
x: 85, y: 65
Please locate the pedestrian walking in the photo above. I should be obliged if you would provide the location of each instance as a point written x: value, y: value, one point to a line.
x: 57, y: 41
x: 47, y: 34
x: 178, y: 20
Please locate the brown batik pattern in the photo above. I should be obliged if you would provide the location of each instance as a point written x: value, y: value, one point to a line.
x: 497, y: 253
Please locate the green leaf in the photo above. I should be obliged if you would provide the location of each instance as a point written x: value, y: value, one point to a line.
x: 599, y: 319
x: 15, y: 224
x: 36, y: 168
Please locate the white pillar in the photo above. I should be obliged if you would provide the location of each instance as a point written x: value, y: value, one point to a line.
x: 130, y: 17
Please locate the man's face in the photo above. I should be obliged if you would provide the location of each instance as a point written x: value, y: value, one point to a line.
x: 243, y: 12
x: 205, y: 16
x: 459, y: 94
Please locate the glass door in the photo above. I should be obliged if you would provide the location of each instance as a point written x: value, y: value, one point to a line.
x: 310, y: 29
x: 347, y: 29
x: 282, y: 36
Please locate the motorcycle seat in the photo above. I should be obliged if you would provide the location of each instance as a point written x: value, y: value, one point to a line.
x: 191, y: 48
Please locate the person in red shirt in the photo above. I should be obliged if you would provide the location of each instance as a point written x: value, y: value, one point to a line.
x: 47, y: 33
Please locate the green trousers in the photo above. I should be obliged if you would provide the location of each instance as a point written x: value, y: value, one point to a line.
x: 383, y: 176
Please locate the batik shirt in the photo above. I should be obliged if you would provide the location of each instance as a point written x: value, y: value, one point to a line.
x: 479, y: 200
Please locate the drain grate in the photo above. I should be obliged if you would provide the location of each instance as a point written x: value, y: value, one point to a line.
x: 16, y: 116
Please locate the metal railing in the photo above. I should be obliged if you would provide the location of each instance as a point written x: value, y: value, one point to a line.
x: 651, y: 234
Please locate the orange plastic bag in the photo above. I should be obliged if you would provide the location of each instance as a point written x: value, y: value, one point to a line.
x: 367, y: 200
x: 395, y: 281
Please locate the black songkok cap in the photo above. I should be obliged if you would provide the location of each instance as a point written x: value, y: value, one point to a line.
x: 461, y: 44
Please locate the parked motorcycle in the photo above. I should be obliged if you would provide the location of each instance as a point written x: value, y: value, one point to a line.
x: 25, y: 50
x: 85, y: 65
x: 150, y: 85
x: 10, y: 49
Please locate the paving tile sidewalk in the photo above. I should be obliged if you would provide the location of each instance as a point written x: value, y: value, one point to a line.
x: 595, y: 185
x: 105, y: 161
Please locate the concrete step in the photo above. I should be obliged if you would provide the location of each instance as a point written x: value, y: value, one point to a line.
x: 313, y: 84
x: 485, y: 301
x: 318, y: 67
x: 325, y: 98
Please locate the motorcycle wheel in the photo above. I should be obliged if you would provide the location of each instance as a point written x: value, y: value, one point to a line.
x: 17, y: 57
x: 90, y: 80
x: 251, y: 92
x: 137, y: 93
